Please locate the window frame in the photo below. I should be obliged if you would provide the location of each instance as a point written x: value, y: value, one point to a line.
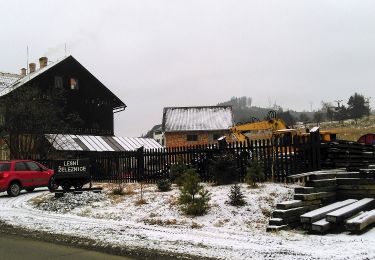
x: 192, y: 137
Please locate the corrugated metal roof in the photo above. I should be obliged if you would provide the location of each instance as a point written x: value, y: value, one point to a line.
x: 65, y: 142
x: 207, y: 118
x: 7, y: 79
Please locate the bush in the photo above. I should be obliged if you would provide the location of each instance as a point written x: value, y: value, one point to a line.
x: 193, y: 198
x: 164, y: 185
x: 223, y: 169
x: 236, y: 197
x: 118, y: 190
x: 254, y: 173
x: 176, y: 173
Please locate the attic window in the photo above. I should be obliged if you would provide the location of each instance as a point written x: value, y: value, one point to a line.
x: 58, y: 82
x: 74, y: 84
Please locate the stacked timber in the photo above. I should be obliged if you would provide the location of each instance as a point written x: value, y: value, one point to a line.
x: 356, y: 186
x: 346, y: 154
x: 323, y: 194
x: 320, y: 189
x: 313, y: 219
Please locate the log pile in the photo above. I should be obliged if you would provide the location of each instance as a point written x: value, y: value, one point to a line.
x: 346, y: 154
x: 317, y: 204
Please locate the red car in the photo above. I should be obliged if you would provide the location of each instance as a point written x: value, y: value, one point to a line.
x: 16, y: 175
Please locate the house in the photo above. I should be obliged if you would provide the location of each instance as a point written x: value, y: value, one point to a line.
x: 201, y: 125
x: 157, y: 134
x: 72, y: 104
x: 86, y: 96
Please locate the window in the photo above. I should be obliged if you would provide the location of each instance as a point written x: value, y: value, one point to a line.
x: 74, y: 84
x: 192, y: 137
x: 4, y: 167
x: 33, y: 166
x: 58, y: 82
x: 20, y: 166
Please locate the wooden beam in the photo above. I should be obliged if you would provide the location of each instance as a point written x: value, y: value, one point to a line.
x: 361, y: 221
x: 341, y: 214
x: 320, y: 213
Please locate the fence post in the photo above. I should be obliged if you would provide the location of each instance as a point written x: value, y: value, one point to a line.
x: 315, y: 149
x: 140, y: 164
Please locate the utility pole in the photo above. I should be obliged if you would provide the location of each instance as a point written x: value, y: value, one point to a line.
x: 338, y: 102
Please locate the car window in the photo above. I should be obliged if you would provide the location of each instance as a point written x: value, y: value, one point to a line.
x: 4, y: 167
x: 20, y: 166
x: 33, y: 166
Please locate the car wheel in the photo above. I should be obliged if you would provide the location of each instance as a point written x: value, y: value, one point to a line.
x: 52, y: 185
x: 29, y: 189
x: 14, y: 189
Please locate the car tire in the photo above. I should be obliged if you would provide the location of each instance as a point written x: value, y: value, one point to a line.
x: 29, y: 189
x: 14, y: 189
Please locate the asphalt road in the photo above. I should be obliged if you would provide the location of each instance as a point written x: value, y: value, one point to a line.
x: 13, y: 247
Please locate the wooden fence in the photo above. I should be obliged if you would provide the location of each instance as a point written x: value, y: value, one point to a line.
x: 278, y: 158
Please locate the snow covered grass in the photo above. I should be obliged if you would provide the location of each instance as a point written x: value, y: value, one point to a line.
x: 349, y: 130
x: 161, y: 208
x: 226, y: 232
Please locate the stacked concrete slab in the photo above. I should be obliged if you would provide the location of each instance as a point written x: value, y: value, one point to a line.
x: 322, y: 188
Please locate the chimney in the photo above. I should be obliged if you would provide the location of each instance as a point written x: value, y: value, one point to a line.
x: 23, y: 72
x: 43, y: 62
x: 32, y: 67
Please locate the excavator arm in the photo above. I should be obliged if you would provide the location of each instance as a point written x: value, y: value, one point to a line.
x: 271, y: 125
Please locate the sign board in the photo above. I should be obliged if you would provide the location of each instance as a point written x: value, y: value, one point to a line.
x: 72, y: 167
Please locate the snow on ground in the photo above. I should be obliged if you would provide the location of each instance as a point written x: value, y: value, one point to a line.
x: 226, y: 232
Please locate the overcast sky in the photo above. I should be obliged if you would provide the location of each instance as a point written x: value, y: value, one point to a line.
x: 159, y: 53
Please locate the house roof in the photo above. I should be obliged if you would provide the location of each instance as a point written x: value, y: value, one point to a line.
x: 20, y: 81
x: 91, y: 143
x: 7, y: 79
x: 202, y: 118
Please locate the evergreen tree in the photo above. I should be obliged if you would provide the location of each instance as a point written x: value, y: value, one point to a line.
x: 223, y: 168
x: 193, y: 197
x: 358, y: 107
x: 254, y: 173
x: 236, y: 197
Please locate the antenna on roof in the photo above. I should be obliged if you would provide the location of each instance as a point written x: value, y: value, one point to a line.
x: 27, y: 59
x: 65, y: 50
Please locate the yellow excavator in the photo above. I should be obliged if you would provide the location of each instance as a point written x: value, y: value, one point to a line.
x: 270, y: 127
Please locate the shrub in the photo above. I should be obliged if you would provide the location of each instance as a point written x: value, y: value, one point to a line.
x: 223, y: 169
x: 254, y: 173
x: 118, y: 190
x: 193, y: 198
x: 164, y: 185
x: 176, y: 173
x: 236, y: 197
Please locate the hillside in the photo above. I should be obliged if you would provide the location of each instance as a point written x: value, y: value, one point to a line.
x: 243, y: 111
x: 348, y: 130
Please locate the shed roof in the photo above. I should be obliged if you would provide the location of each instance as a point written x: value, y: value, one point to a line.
x: 91, y: 143
x: 202, y: 118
